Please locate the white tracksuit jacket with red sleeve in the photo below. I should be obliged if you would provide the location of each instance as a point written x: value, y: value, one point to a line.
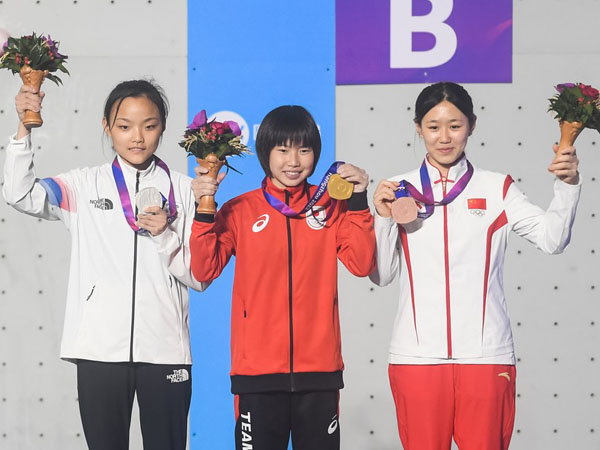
x: 452, y: 303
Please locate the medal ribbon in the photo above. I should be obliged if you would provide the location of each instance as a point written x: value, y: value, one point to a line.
x: 126, y: 201
x: 289, y: 212
x: 426, y: 198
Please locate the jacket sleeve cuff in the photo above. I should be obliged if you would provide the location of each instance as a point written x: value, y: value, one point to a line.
x: 203, y: 217
x: 26, y: 140
x: 562, y: 186
x: 358, y: 201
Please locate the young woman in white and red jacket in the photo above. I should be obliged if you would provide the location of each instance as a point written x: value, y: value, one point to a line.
x: 452, y: 364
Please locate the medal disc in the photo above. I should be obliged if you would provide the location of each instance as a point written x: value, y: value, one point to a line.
x: 404, y: 210
x: 147, y: 197
x: 339, y: 188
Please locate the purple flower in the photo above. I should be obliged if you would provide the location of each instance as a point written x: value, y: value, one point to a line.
x: 234, y: 127
x: 562, y: 87
x: 4, y: 47
x: 52, y: 46
x: 199, y: 121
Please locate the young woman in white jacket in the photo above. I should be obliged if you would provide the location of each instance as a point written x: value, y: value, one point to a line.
x: 126, y: 321
x: 452, y: 364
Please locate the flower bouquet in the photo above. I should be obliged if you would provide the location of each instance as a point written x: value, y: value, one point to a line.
x: 211, y: 143
x: 576, y: 106
x: 34, y: 58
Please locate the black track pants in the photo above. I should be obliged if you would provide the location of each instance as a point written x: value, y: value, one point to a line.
x: 265, y: 421
x: 106, y: 392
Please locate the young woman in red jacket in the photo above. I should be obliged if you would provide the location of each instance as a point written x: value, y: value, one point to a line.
x: 286, y: 361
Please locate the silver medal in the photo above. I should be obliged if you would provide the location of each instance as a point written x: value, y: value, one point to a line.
x: 147, y: 197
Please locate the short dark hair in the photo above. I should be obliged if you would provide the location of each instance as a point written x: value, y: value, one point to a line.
x: 287, y: 125
x: 137, y: 88
x: 436, y: 93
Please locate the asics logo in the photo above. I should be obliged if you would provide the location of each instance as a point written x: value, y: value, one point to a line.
x: 261, y: 223
x: 333, y: 425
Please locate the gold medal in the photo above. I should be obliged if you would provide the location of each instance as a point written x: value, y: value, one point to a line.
x: 339, y: 188
x: 404, y: 210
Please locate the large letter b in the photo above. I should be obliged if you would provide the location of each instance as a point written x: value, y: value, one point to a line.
x: 402, y: 26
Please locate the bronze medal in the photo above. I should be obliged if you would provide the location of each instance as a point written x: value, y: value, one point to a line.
x: 338, y: 188
x: 404, y: 210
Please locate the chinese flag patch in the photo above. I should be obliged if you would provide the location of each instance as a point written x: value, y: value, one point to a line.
x: 477, y: 203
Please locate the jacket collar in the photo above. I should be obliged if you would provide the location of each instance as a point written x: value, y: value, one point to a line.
x: 454, y: 173
x: 131, y: 172
x: 297, y: 194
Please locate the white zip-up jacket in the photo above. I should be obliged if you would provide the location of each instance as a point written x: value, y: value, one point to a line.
x: 127, y: 297
x: 452, y: 303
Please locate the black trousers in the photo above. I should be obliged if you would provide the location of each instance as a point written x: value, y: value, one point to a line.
x: 106, y: 392
x: 265, y: 421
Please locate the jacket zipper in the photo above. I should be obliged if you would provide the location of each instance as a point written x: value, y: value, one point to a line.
x: 447, y: 272
x: 90, y: 294
x: 290, y: 285
x: 135, y: 242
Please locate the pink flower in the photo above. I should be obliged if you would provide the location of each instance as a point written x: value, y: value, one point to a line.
x: 580, y: 99
x: 589, y: 91
x: 220, y: 128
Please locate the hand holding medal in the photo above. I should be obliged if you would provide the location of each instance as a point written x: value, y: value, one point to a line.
x: 392, y: 200
x: 151, y: 215
x: 347, y: 180
x: 403, y: 201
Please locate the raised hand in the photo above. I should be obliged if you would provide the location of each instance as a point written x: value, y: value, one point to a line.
x: 27, y: 99
x: 384, y: 195
x: 565, y: 164
x: 204, y: 185
x: 355, y: 175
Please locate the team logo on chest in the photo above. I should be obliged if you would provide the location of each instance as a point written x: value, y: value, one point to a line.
x: 102, y: 203
x: 315, y: 218
x: 261, y: 223
x: 477, y: 206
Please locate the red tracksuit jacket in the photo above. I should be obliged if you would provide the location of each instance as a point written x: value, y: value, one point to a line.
x: 285, y: 331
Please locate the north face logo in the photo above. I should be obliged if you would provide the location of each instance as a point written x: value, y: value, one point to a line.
x: 102, y: 203
x: 178, y: 376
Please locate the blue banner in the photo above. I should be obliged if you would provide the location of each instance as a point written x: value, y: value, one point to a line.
x: 244, y: 59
